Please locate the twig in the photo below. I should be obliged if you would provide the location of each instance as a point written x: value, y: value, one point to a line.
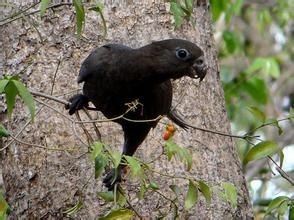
x: 61, y: 101
x: 132, y: 107
x: 156, y: 158
x: 89, y: 137
x: 77, y: 136
x: 27, y: 19
x: 245, y: 136
x: 54, y: 109
x: 14, y: 18
x: 282, y: 172
x: 38, y: 146
x: 270, y: 123
x: 17, y: 13
x: 20, y: 131
x: 143, y: 121
x: 54, y: 76
x: 68, y: 93
x: 94, y: 125
x: 121, y: 192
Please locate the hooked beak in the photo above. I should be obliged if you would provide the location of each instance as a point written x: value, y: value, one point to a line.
x: 200, y: 68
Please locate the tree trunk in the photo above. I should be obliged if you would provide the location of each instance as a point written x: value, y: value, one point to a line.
x: 41, y: 182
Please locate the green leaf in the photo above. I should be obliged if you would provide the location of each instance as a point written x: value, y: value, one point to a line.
x: 3, y: 84
x: 256, y: 65
x: 272, y: 68
x: 269, y: 66
x: 257, y: 89
x: 274, y: 122
x: 99, y: 9
x: 106, y: 196
x: 233, y: 8
x: 261, y: 150
x: 170, y: 148
x: 230, y: 193
x: 281, y: 156
x: 217, y: 8
x: 264, y: 18
x: 3, y: 131
x: 134, y: 164
x: 4, y: 207
x: 120, y: 214
x: 258, y: 114
x: 205, y: 190
x: 153, y: 185
x: 237, y: 6
x: 142, y: 190
x: 291, y: 114
x: 96, y: 149
x: 231, y: 40
x: 276, y: 203
x: 74, y: 209
x: 10, y: 92
x: 100, y: 164
x: 191, y: 196
x: 183, y: 153
x: 175, y: 189
x: 26, y: 96
x: 116, y: 158
x: 178, y: 14
x: 121, y: 198
x: 282, y: 209
x: 43, y: 6
x: 189, y: 5
x: 80, y: 16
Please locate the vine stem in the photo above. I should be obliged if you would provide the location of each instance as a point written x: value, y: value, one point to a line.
x: 62, y: 101
x: 282, y: 172
x: 22, y: 13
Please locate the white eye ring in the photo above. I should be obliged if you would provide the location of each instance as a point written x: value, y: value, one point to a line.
x: 183, y: 54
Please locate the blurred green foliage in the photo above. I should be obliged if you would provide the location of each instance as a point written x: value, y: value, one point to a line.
x: 255, y: 42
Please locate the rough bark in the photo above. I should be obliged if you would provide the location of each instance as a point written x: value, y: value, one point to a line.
x: 42, y: 183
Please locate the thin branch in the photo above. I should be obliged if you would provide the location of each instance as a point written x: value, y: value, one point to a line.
x: 130, y: 205
x: 54, y: 109
x: 270, y: 123
x: 14, y: 18
x: 132, y: 107
x: 28, y: 19
x: 37, y: 145
x: 40, y: 94
x: 54, y: 76
x: 245, y: 136
x: 77, y: 136
x: 20, y: 131
x: 17, y: 13
x: 94, y: 125
x: 164, y: 196
x: 143, y: 121
x: 89, y: 137
x: 282, y: 172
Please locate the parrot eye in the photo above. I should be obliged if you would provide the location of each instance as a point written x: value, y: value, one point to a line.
x: 182, y: 54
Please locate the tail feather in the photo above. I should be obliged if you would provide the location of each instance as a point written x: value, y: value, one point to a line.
x: 176, y: 118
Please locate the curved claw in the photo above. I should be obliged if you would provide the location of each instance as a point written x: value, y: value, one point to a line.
x: 77, y: 102
x: 112, y: 178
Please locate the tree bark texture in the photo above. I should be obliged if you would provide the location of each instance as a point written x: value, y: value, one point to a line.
x: 41, y: 182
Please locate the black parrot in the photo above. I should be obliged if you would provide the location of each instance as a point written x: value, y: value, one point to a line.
x: 115, y: 75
